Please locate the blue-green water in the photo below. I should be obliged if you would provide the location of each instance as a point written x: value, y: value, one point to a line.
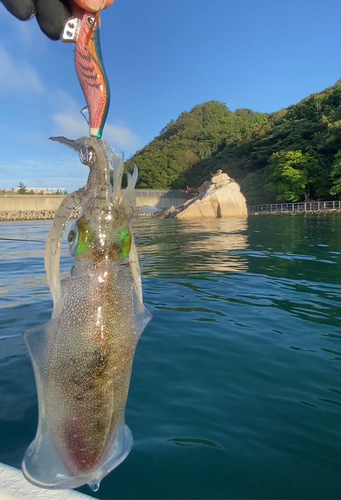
x: 236, y: 388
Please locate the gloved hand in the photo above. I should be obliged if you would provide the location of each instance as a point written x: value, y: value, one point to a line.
x: 51, y: 14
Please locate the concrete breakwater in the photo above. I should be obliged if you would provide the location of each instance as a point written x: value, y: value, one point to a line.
x: 40, y: 207
x: 29, y: 207
x: 27, y: 215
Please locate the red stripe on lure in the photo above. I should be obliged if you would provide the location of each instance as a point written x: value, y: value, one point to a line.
x: 89, y: 67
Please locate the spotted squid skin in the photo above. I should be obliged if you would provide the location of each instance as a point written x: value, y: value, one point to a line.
x: 92, y: 346
x: 90, y: 360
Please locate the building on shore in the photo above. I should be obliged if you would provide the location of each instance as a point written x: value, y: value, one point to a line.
x: 46, y: 190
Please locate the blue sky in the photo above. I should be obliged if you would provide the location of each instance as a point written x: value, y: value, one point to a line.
x: 162, y: 57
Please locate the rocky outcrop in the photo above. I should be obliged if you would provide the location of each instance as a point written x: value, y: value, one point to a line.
x: 221, y: 197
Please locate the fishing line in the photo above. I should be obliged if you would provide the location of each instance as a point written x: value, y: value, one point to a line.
x: 19, y: 239
x: 6, y: 337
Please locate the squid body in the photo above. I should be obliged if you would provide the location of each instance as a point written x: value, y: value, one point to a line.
x: 83, y: 357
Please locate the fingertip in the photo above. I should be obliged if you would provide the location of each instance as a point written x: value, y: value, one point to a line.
x: 23, y: 10
x: 108, y: 4
x: 51, y: 16
x: 93, y: 5
x: 76, y: 10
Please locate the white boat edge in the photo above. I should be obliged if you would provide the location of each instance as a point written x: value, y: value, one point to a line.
x: 13, y: 486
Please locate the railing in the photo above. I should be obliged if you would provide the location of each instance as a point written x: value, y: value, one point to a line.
x: 311, y: 206
x: 158, y: 193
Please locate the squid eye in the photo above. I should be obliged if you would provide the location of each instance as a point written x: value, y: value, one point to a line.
x: 90, y: 21
x: 73, y: 239
x: 81, y: 238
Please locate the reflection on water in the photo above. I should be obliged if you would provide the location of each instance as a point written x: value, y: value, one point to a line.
x: 236, y: 384
x: 191, y: 247
x: 217, y: 239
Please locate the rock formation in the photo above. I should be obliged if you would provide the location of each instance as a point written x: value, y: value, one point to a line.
x: 220, y: 197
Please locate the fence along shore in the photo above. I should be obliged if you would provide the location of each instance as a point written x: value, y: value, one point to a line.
x: 290, y: 208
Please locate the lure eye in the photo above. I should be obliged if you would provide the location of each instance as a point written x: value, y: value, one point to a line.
x: 71, y: 236
x: 87, y: 156
x: 90, y: 21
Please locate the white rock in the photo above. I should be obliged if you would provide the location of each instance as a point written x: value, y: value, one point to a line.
x: 219, y: 198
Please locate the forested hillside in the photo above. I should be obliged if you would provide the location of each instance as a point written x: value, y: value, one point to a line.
x: 291, y: 155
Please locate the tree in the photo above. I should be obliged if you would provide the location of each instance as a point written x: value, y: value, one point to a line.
x: 243, y: 143
x: 286, y: 180
x: 194, y: 136
x: 21, y: 188
x: 252, y: 187
x: 335, y: 190
x: 309, y: 164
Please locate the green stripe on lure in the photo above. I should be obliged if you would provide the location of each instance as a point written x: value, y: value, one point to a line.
x: 90, y: 70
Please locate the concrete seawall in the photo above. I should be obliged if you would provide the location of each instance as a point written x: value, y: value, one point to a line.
x: 29, y: 203
x: 40, y: 207
x: 29, y: 207
x: 159, y: 198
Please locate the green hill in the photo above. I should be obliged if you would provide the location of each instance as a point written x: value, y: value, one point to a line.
x: 290, y: 155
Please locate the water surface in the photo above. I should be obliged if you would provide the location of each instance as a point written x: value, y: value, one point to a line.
x: 236, y: 388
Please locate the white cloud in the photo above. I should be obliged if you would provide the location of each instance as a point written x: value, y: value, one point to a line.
x: 64, y: 101
x: 72, y: 124
x: 68, y: 119
x: 18, y: 76
x: 122, y: 136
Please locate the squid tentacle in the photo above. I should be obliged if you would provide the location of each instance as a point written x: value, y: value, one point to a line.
x: 53, y: 244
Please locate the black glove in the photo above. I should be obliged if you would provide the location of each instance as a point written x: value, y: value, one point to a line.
x: 50, y: 14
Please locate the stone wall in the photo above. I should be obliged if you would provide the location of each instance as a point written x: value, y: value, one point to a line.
x: 27, y: 215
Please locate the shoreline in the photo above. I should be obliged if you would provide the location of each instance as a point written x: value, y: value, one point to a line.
x: 38, y: 207
x: 30, y: 215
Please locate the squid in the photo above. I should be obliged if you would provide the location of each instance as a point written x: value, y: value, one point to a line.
x: 82, y: 358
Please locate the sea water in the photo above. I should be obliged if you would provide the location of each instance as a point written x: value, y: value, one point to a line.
x: 236, y: 386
